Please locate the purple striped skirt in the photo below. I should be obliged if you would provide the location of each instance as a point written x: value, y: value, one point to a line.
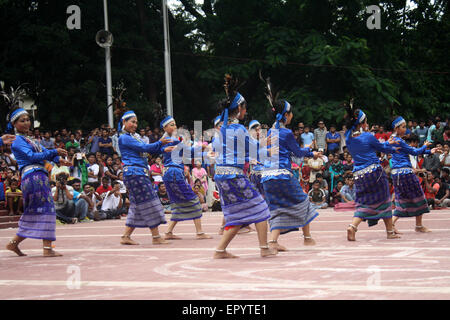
x: 241, y: 202
x: 373, y: 200
x: 409, y: 197
x: 38, y: 220
x: 146, y: 210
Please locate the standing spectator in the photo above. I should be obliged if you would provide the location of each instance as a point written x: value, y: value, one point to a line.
x: 316, y: 165
x: 333, y: 140
x: 93, y: 140
x: 432, y: 163
x: 157, y: 171
x: 93, y: 169
x: 437, y: 134
x: 105, y: 143
x: 320, y: 134
x: 431, y: 128
x: 382, y: 136
x: 445, y: 156
x: 64, y: 136
x: 317, y: 196
x: 348, y: 191
x: 79, y: 169
x: 446, y: 134
x: 48, y: 142
x: 307, y: 138
x: 422, y: 132
x: 200, y: 173
x: 343, y: 143
x: 115, y: 142
x: 299, y: 139
x: 72, y: 142
x: 14, y: 198
x: 143, y: 136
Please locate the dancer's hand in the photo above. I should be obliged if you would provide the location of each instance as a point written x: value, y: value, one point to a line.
x: 62, y: 152
x: 427, y: 143
x: 165, y: 141
x: 8, y: 138
x: 392, y: 141
x: 170, y: 149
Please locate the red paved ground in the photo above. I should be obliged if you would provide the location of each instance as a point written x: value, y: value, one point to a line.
x: 417, y: 266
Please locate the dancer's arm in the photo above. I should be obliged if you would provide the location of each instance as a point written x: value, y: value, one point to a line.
x: 23, y: 150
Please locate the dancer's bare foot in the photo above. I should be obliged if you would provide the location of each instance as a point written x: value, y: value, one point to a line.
x: 422, y: 229
x: 126, y: 240
x: 14, y: 247
x: 266, y: 251
x: 276, y: 246
x: 159, y: 240
x: 351, y: 233
x: 391, y: 235
x: 395, y: 230
x: 309, y: 241
x: 49, y: 253
x: 202, y: 235
x: 171, y: 236
x: 223, y: 254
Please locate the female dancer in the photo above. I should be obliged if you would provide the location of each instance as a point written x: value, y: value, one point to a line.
x: 373, y: 201
x: 145, y: 210
x: 39, y: 218
x: 290, y: 208
x: 241, y: 202
x: 409, y: 197
x: 184, y: 203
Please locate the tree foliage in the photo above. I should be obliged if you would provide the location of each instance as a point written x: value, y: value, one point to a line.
x: 318, y: 53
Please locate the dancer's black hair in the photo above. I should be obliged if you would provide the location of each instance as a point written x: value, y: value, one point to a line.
x: 231, y: 86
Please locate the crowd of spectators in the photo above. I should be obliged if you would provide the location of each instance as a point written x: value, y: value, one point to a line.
x: 93, y: 188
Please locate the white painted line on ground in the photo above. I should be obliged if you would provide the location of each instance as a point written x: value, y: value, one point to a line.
x: 223, y: 286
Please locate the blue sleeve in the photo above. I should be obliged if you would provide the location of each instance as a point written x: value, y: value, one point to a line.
x: 153, y: 148
x: 293, y: 146
x: 23, y: 150
x: 405, y: 148
x: 378, y: 146
x: 1, y: 141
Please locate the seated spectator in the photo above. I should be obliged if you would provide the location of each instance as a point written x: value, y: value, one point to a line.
x: 93, y: 200
x: 445, y: 156
x: 63, y: 199
x: 432, y: 164
x: 112, y: 206
x: 442, y: 199
x: 317, y: 196
x: 110, y: 170
x: 348, y: 165
x: 14, y: 198
x: 305, y: 175
x: 105, y: 187
x: 430, y: 188
x: 81, y: 201
x: 199, y: 184
x: 323, y: 184
x: 348, y: 191
x: 336, y: 170
x: 201, y: 197
x: 336, y: 196
x: 164, y: 198
x: 198, y: 172
x: 295, y: 170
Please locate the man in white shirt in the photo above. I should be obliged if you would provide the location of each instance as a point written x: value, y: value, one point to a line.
x: 93, y: 169
x: 112, y: 206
